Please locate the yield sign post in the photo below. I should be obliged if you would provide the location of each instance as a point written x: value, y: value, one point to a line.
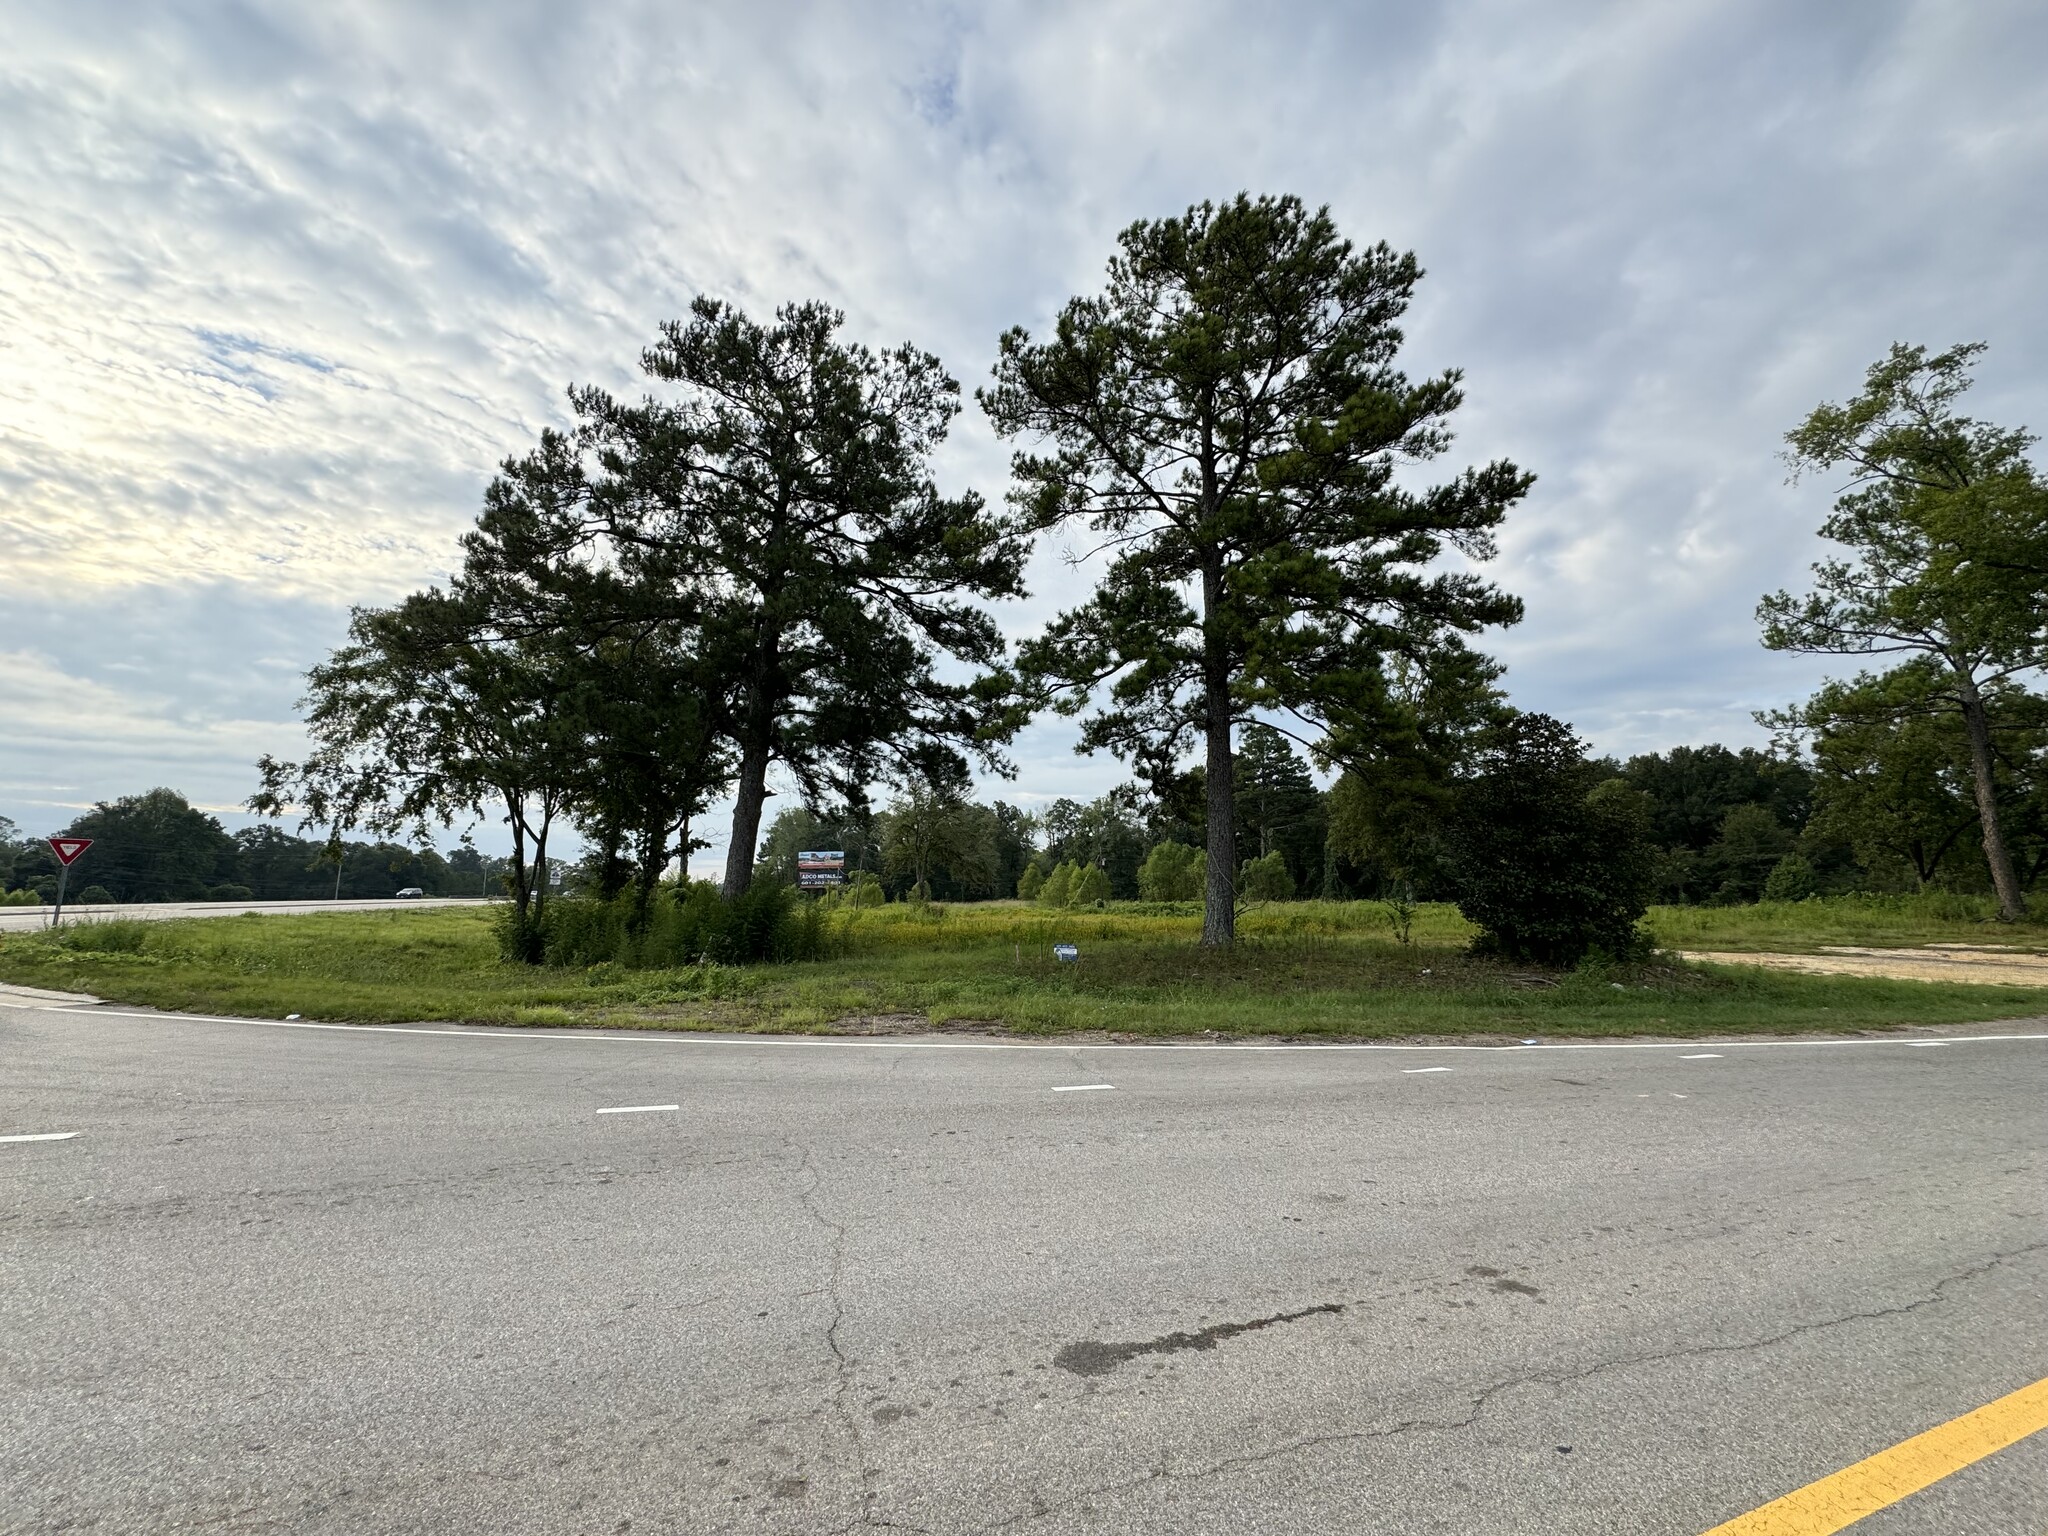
x: 67, y: 850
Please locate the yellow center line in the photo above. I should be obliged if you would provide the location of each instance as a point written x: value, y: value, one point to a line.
x: 1840, y: 1500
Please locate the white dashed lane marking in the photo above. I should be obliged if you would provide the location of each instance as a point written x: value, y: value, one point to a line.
x: 43, y: 1136
x: 1411, y: 1071
x: 1703, y: 1056
x: 1085, y: 1088
x: 639, y: 1109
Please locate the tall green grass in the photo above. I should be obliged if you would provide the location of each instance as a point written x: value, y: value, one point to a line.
x: 1028, y: 925
x: 1304, y: 969
x: 1882, y: 921
x: 686, y: 925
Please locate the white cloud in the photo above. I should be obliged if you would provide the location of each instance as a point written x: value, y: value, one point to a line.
x: 69, y: 736
x: 278, y: 286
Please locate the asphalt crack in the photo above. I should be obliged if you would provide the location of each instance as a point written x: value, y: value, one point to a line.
x: 842, y: 1364
x: 1485, y: 1397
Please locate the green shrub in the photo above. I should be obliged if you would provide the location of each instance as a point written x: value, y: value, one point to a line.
x: 120, y: 936
x: 1549, y: 867
x: 521, y: 940
x: 95, y: 896
x: 231, y: 892
x: 581, y: 931
x: 688, y: 925
x: 1090, y: 887
x: 1267, y: 879
x: 1400, y: 906
x: 1173, y: 872
x: 1790, y: 879
x: 1031, y: 882
x: 1058, y: 890
x: 21, y: 898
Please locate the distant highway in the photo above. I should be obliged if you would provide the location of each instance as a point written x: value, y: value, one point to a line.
x: 25, y: 919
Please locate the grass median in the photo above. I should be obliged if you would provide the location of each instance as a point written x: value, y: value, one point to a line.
x: 1303, y: 969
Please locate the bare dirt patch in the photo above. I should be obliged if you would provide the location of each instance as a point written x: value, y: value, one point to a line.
x: 913, y: 1024
x: 1988, y: 965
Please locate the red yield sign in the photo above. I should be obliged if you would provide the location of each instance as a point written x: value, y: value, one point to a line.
x: 68, y: 849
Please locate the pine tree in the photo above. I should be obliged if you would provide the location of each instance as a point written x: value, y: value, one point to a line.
x: 1226, y: 419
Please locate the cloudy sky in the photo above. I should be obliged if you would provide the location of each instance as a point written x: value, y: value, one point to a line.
x: 279, y: 285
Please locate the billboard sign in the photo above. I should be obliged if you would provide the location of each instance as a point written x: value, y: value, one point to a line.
x: 820, y: 869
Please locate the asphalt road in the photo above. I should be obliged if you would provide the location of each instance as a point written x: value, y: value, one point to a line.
x: 320, y: 1279
x: 26, y: 919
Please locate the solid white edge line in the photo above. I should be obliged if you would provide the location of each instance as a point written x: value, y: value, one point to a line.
x: 43, y: 1136
x: 1084, y: 1087
x: 638, y: 1109
x: 672, y: 1037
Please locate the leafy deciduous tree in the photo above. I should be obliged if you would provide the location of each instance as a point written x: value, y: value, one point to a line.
x: 1892, y: 767
x: 154, y: 847
x: 931, y: 825
x: 1266, y: 878
x: 1173, y: 872
x: 1387, y: 811
x: 1738, y: 862
x: 1947, y: 522
x: 418, y: 721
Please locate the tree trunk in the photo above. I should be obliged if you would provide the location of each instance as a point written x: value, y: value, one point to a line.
x: 540, y: 868
x: 1219, y: 900
x: 520, y: 885
x: 757, y: 742
x: 526, y: 909
x: 611, y: 874
x: 2012, y: 904
x: 653, y: 855
x: 750, y: 793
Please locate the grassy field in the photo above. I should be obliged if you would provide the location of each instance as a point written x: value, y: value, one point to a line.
x: 1303, y: 969
x: 1794, y: 927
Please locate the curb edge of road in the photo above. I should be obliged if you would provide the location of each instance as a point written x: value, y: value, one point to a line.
x: 451, y: 1030
x: 29, y: 997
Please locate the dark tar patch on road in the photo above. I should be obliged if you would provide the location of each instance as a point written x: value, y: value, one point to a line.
x: 1501, y: 1283
x: 1094, y: 1357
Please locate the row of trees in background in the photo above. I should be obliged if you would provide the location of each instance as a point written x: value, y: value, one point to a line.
x: 159, y: 847
x: 1871, y: 806
x: 1857, y: 798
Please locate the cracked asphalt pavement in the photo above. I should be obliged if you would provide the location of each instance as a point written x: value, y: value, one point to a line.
x: 335, y: 1280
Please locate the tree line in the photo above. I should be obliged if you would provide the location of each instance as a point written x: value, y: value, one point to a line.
x: 1864, y: 811
x: 159, y: 847
x: 750, y: 573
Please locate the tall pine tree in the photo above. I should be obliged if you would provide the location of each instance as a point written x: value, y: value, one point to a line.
x: 1226, y: 419
x: 788, y: 494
